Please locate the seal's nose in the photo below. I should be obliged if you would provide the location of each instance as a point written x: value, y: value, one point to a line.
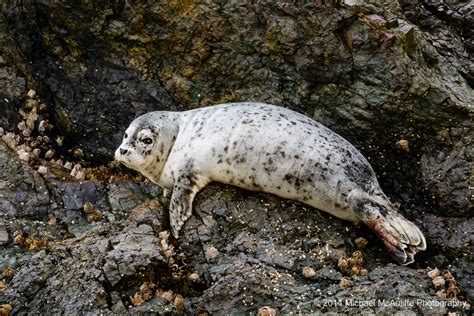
x: 123, y: 151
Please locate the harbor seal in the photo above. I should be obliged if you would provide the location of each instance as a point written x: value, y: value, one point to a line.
x: 263, y: 147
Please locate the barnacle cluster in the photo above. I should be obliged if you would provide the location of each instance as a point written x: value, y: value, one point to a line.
x: 353, y: 265
x: 149, y: 290
x: 446, y: 284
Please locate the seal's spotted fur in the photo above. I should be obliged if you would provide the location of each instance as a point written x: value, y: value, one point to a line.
x: 263, y: 147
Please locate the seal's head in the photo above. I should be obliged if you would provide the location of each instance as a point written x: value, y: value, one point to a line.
x: 138, y: 144
x: 147, y: 143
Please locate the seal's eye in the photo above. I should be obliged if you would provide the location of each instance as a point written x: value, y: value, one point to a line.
x: 147, y: 141
x: 125, y: 136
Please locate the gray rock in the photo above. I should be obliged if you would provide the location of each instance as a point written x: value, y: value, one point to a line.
x: 150, y: 213
x: 4, y: 238
x: 76, y: 276
x: 262, y: 248
x: 448, y: 26
x: 372, y: 81
x: 122, y: 261
x: 374, y: 73
x: 124, y: 196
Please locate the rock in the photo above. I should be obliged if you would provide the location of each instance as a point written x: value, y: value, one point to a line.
x: 362, y: 69
x: 125, y: 195
x: 376, y: 73
x: 4, y: 238
x: 449, y: 28
x: 156, y: 305
x: 151, y: 213
x: 123, y: 261
x: 13, y: 86
x: 131, y: 250
x: 119, y: 257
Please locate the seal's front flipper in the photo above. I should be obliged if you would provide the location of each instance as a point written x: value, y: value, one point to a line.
x: 184, y: 191
x: 401, y: 237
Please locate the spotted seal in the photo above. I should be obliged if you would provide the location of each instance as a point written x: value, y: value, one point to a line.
x: 263, y: 147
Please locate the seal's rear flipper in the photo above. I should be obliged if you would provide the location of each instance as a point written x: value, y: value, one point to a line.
x: 401, y: 237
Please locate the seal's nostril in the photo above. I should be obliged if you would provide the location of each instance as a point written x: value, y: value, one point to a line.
x: 123, y: 151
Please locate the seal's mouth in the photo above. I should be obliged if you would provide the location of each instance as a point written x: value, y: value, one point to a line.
x: 122, y: 162
x: 127, y: 164
x: 118, y: 157
x: 129, y: 158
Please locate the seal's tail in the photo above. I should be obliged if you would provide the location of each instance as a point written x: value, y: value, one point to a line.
x: 401, y: 237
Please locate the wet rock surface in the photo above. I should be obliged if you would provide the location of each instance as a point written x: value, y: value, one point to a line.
x: 242, y: 251
x: 363, y: 70
x: 83, y: 236
x: 448, y: 27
